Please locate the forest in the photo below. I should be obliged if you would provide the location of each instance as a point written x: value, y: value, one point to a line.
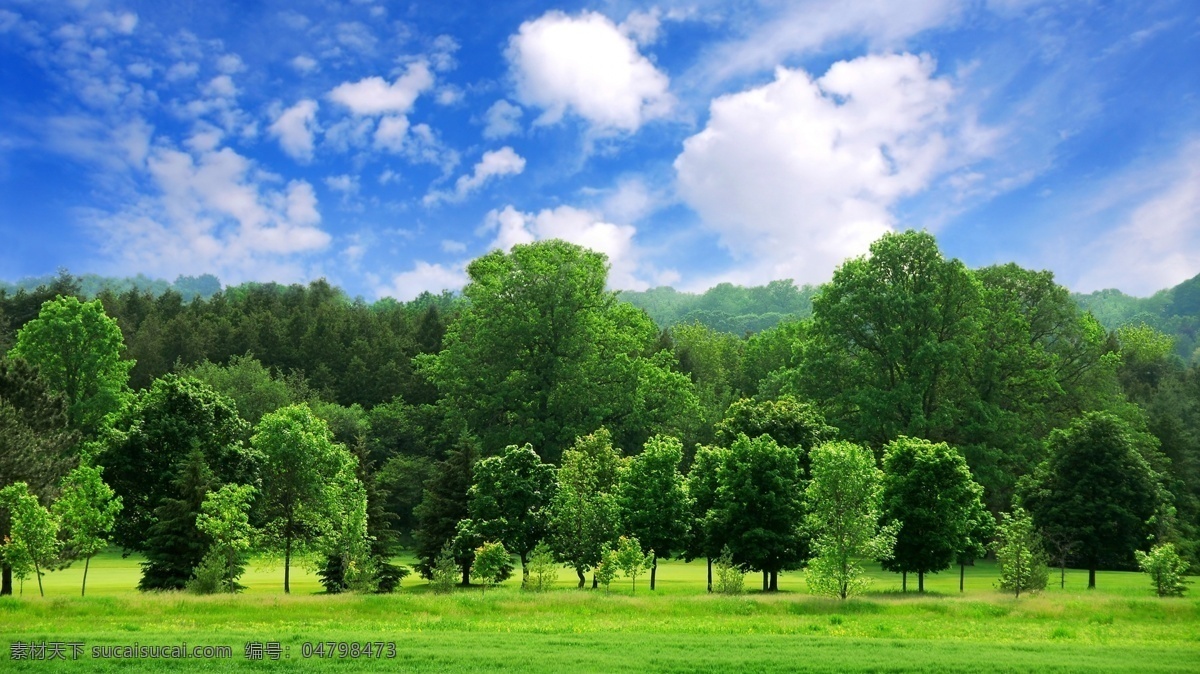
x: 911, y: 412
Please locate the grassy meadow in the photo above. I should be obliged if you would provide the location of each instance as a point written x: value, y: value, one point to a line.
x: 1120, y: 626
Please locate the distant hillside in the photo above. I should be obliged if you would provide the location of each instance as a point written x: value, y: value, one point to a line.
x: 726, y: 307
x: 90, y: 285
x: 1175, y: 311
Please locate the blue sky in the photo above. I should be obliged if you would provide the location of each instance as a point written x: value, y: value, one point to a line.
x: 384, y: 145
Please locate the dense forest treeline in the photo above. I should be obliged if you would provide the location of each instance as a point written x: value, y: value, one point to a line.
x: 538, y: 396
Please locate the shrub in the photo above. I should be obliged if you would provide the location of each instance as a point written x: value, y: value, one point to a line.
x: 209, y: 576
x: 444, y: 572
x: 1166, y: 569
x: 730, y: 578
x: 543, y: 572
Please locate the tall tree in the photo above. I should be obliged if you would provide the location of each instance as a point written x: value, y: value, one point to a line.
x: 789, y: 421
x: 705, y: 539
x: 443, y: 506
x: 928, y: 489
x: 843, y: 501
x: 1098, y: 489
x: 654, y: 501
x: 77, y: 348
x: 172, y: 544
x: 87, y: 509
x: 759, y: 506
x: 225, y: 519
x: 35, y: 443
x: 509, y: 501
x: 302, y: 468
x: 585, y: 518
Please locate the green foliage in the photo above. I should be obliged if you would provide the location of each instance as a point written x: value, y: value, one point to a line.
x: 173, y: 546
x: 713, y: 360
x: 443, y: 574
x: 631, y: 560
x: 1166, y: 570
x: 606, y: 571
x: 585, y: 518
x: 443, y: 506
x: 542, y: 569
x: 87, y: 509
x: 790, y: 422
x: 725, y: 307
x: 224, y: 519
x: 844, y: 502
x: 305, y: 477
x: 928, y: 491
x: 510, y: 499
x: 211, y: 576
x: 33, y: 540
x: 653, y: 499
x: 1019, y: 554
x: 491, y: 559
x: 248, y: 384
x: 704, y: 538
x: 1096, y: 489
x: 759, y: 504
x: 730, y: 579
x: 77, y: 348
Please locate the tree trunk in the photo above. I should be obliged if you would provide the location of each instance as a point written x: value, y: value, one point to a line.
x: 1092, y: 577
x: 653, y: 571
x: 709, y: 577
x: 766, y: 580
x: 921, y: 582
x: 774, y: 581
x: 579, y: 572
x: 287, y: 565
x: 6, y: 580
x: 524, y: 569
x: 595, y: 583
x: 904, y: 581
x: 86, y: 563
x: 1062, y: 576
x: 37, y: 570
x: 466, y: 576
x: 962, y: 573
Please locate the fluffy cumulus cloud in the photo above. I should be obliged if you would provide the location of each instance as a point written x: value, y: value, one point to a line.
x: 586, y: 65
x: 212, y: 211
x: 1158, y: 244
x: 501, y: 120
x: 800, y: 173
x: 577, y: 226
x: 423, y: 277
x: 375, y: 96
x: 494, y: 164
x: 295, y: 128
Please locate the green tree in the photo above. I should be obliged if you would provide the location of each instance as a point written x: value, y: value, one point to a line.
x: 790, y: 422
x: 224, y: 518
x: 303, y: 470
x: 759, y: 506
x: 443, y: 506
x: 981, y: 527
x: 444, y: 572
x: 892, y: 336
x: 491, y: 559
x: 607, y: 570
x: 77, y: 348
x: 510, y: 499
x: 631, y: 560
x: 250, y: 386
x: 34, y: 535
x: 928, y: 489
x: 585, y: 518
x: 654, y: 501
x: 1019, y: 554
x: 731, y: 579
x: 543, y: 571
x: 844, y: 503
x: 1166, y: 570
x: 173, y: 547
x: 704, y: 539
x: 87, y: 509
x: 1096, y: 487
x: 35, y: 443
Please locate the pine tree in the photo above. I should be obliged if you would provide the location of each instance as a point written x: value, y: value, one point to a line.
x: 174, y: 546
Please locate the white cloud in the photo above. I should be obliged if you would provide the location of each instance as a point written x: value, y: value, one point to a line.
x: 642, y: 26
x: 587, y: 66
x: 142, y: 70
x: 502, y: 119
x: 423, y: 277
x: 448, y: 95
x: 295, y: 128
x: 230, y: 64
x: 220, y: 86
x: 345, y: 183
x: 497, y: 163
x: 577, y: 226
x: 212, y: 211
x: 391, y: 133
x: 442, y: 54
x: 182, y: 71
x: 374, y: 96
x: 451, y: 246
x: 305, y: 64
x: 798, y: 174
x: 1158, y: 244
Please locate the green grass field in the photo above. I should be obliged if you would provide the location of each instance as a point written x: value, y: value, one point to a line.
x: 1120, y: 626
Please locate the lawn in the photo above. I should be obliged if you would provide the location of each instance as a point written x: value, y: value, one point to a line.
x: 1120, y: 626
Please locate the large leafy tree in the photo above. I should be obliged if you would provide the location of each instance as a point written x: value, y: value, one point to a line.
x: 510, y: 500
x: 844, y: 504
x: 654, y: 500
x: 543, y: 353
x: 759, y: 506
x: 929, y: 492
x: 1096, y: 489
x: 87, y: 509
x: 789, y: 421
x: 303, y: 472
x: 153, y: 435
x: 35, y: 443
x: 585, y: 518
x: 704, y: 539
x: 77, y: 348
x: 892, y: 336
